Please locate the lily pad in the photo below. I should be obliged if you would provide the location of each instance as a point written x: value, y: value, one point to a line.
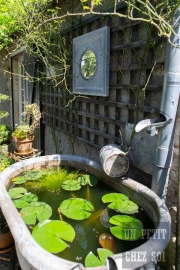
x: 120, y: 203
x: 128, y: 228
x: 88, y: 179
x: 76, y: 208
x: 53, y: 235
x: 92, y: 261
x: 27, y: 176
x: 16, y: 193
x: 71, y: 185
x: 25, y: 200
x: 36, y: 210
x: 19, y: 179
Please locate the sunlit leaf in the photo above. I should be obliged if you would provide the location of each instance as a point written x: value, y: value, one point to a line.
x: 16, y: 193
x: 128, y: 228
x: 76, y: 208
x: 71, y: 185
x: 120, y: 203
x: 25, y: 200
x: 92, y: 261
x: 53, y: 235
x: 36, y: 211
x: 88, y: 179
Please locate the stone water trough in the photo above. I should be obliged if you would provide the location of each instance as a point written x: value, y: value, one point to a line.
x: 32, y: 257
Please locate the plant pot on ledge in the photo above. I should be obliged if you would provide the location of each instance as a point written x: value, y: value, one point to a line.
x: 23, y: 146
x: 23, y: 135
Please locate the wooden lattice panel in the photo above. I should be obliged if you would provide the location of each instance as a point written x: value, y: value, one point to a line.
x: 99, y: 120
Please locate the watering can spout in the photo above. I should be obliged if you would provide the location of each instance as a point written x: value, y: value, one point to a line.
x: 152, y: 125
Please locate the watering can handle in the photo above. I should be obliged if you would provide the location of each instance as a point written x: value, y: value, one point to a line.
x: 153, y: 124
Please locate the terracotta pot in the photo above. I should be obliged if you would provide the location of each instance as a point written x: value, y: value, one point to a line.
x: 6, y: 240
x: 23, y: 146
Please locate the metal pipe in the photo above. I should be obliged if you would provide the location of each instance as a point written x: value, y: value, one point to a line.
x: 169, y: 106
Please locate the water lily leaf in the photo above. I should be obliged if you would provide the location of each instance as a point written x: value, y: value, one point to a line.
x: 16, y: 193
x: 71, y: 185
x: 35, y: 210
x: 106, y: 240
x: 27, y: 176
x: 111, y: 197
x: 20, y: 203
x: 53, y: 235
x: 19, y: 179
x: 25, y: 200
x: 92, y: 261
x: 128, y: 228
x: 120, y: 203
x: 88, y: 179
x: 32, y: 175
x: 76, y: 208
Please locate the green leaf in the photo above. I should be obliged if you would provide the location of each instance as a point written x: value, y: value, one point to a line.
x: 88, y: 179
x: 128, y: 228
x: 71, y: 185
x: 36, y: 210
x: 52, y: 235
x: 76, y: 208
x: 27, y: 176
x: 120, y: 203
x: 16, y: 193
x: 25, y: 200
x: 92, y: 261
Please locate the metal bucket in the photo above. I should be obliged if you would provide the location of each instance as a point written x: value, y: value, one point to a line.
x: 114, y: 161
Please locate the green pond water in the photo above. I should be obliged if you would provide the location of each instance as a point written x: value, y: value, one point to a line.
x: 88, y: 230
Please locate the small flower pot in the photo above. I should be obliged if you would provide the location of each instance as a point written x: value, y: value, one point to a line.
x: 23, y: 146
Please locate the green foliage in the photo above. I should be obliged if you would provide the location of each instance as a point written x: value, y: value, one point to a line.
x: 76, y: 208
x: 127, y: 228
x: 92, y: 261
x: 25, y: 200
x: 21, y: 131
x: 35, y: 211
x: 16, y: 193
x: 5, y: 161
x: 5, y: 134
x: 3, y: 114
x: 83, y: 180
x: 53, y: 235
x: 120, y: 203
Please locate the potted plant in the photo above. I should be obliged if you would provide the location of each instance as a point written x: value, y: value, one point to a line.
x: 6, y: 239
x: 23, y: 135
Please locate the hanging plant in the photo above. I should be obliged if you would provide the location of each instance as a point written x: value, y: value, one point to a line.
x: 120, y: 203
x: 92, y: 261
x: 76, y: 208
x: 53, y: 235
x: 36, y: 211
x: 127, y: 228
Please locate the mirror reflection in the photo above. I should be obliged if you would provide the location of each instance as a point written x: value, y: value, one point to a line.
x: 88, y: 64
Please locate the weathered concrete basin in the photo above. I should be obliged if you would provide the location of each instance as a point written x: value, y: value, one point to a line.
x: 32, y: 257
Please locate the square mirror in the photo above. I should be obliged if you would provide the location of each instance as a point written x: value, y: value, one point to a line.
x: 91, y: 63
